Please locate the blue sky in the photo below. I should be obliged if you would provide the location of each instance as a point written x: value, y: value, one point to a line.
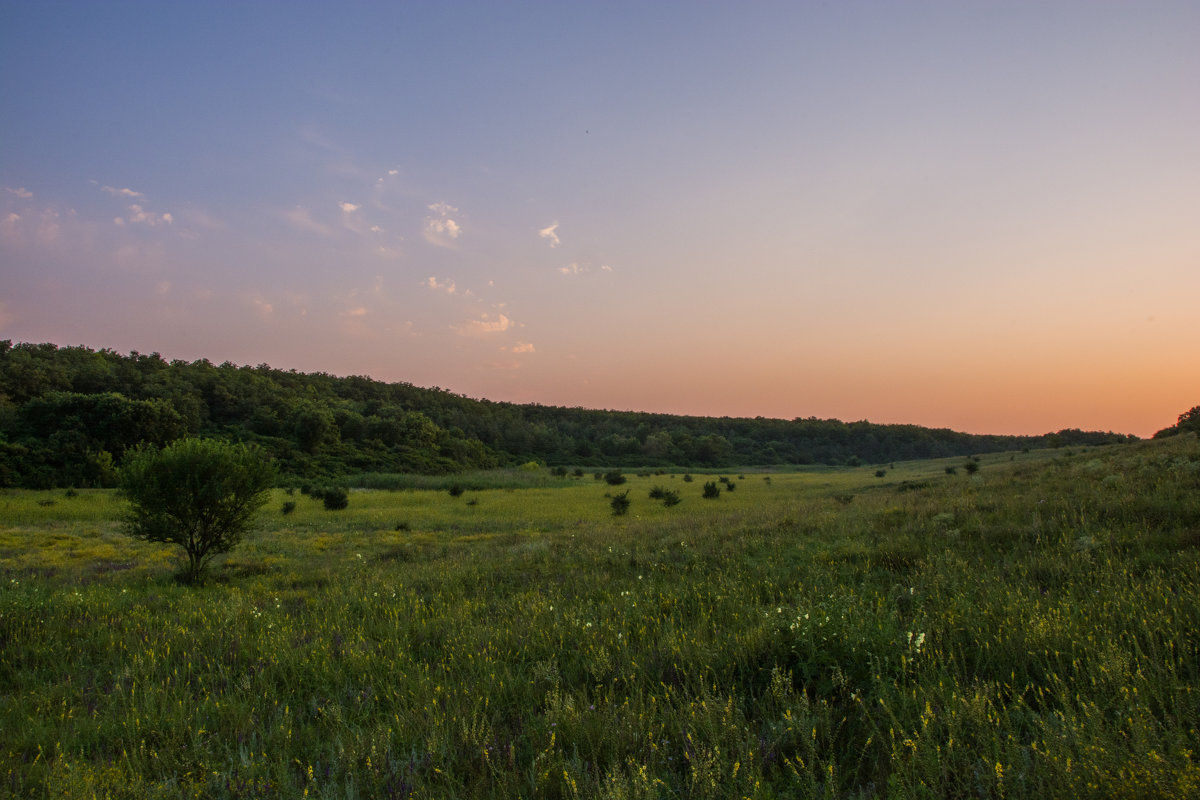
x: 971, y: 215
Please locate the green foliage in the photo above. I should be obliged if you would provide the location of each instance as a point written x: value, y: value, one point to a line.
x: 196, y: 493
x: 334, y: 498
x: 971, y: 467
x: 62, y: 408
x: 288, y: 507
x: 620, y: 503
x: 614, y: 478
x: 1031, y: 633
x: 711, y: 491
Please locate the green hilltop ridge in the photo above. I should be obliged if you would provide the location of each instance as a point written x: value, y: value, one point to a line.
x: 68, y: 415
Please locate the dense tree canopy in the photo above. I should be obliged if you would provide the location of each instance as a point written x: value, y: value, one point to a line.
x: 200, y: 494
x: 68, y: 415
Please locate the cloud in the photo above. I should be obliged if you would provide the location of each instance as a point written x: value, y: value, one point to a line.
x: 442, y: 230
x: 376, y: 229
x: 20, y: 192
x: 349, y: 208
x: 520, y: 347
x: 550, y: 235
x: 355, y: 312
x: 575, y: 268
x: 448, y: 288
x: 302, y: 219
x: 122, y: 192
x: 485, y: 325
x: 264, y: 309
x: 436, y: 228
x: 162, y: 288
x: 140, y: 216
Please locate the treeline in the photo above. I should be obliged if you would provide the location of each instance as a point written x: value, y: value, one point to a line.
x: 68, y: 416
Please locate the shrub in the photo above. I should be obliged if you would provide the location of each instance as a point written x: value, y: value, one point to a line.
x: 951, y: 470
x: 670, y: 498
x: 614, y: 477
x: 620, y: 503
x: 711, y: 490
x: 559, y: 472
x: 971, y: 467
x: 288, y: 507
x: 879, y: 473
x: 578, y: 472
x: 456, y: 490
x: 200, y: 494
x: 687, y: 478
x: 657, y: 493
x: 336, y: 499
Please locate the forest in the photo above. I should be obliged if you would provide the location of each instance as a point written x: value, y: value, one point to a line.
x: 69, y: 415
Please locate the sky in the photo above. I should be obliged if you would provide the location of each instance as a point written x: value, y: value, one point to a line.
x: 982, y: 216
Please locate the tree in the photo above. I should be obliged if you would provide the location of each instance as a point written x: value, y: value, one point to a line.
x: 200, y: 494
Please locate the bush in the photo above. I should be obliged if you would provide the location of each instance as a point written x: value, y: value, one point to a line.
x: 951, y: 470
x: 879, y: 473
x: 288, y: 507
x: 687, y: 478
x: 614, y: 478
x: 657, y: 493
x: 335, y: 498
x: 200, y: 494
x: 620, y: 503
x: 711, y: 490
x: 670, y: 498
x: 456, y: 490
x: 971, y: 467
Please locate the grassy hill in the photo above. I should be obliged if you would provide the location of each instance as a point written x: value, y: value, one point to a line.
x: 1031, y: 629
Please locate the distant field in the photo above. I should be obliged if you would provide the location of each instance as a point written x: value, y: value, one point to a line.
x: 1031, y: 629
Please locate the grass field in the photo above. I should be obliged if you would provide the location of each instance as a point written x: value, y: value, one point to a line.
x: 1029, y: 630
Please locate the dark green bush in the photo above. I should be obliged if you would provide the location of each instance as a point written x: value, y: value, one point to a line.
x: 614, y: 477
x: 620, y: 503
x: 711, y: 490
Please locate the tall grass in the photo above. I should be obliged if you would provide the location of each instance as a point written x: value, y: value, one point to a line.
x: 1032, y: 630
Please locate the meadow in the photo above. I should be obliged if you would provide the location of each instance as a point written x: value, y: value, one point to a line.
x: 1027, y: 629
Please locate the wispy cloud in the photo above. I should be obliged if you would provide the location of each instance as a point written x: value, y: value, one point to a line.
x: 349, y: 208
x: 140, y: 216
x: 20, y: 192
x: 520, y: 347
x: 485, y: 325
x: 115, y: 192
x: 448, y: 288
x: 549, y: 235
x: 301, y: 218
x: 442, y: 229
x: 572, y: 269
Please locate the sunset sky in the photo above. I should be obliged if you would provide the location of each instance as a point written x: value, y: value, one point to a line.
x: 981, y: 216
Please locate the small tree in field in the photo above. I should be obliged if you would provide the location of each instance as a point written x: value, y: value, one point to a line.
x: 200, y: 494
